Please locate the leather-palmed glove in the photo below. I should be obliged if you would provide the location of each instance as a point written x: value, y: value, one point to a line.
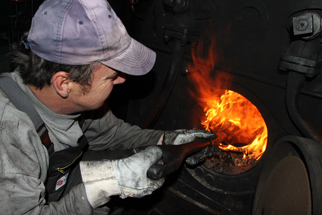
x: 126, y: 177
x: 178, y: 137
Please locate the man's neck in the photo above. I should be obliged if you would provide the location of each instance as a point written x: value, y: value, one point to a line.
x: 48, y: 96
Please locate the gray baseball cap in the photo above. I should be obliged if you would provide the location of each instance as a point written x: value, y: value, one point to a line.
x: 79, y: 32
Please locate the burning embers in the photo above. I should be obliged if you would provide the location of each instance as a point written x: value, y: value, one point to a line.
x: 241, y: 129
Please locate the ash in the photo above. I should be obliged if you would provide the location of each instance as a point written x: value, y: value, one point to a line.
x: 229, y: 163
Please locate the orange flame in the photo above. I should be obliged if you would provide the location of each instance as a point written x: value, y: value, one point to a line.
x: 237, y: 122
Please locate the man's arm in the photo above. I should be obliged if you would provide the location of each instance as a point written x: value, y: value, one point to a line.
x: 108, y: 132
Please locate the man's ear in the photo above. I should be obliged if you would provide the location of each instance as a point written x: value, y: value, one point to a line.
x: 61, y: 83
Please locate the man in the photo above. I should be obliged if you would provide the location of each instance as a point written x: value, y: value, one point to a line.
x: 73, y: 55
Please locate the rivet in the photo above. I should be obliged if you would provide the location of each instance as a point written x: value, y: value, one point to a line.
x: 80, y: 22
x: 45, y: 13
x: 109, y: 16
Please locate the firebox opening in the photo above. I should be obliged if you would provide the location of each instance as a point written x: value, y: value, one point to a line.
x: 241, y: 129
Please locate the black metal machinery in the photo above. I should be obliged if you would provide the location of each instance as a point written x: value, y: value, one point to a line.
x: 303, y: 59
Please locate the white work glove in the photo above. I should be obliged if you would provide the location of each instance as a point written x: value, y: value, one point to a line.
x: 183, y: 136
x: 126, y: 177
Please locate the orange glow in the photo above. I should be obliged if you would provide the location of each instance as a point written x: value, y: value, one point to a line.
x: 237, y: 122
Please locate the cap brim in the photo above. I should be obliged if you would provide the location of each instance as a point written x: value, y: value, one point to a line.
x: 137, y: 59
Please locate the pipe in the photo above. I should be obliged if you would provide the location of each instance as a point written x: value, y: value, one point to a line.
x: 295, y: 82
x: 168, y: 84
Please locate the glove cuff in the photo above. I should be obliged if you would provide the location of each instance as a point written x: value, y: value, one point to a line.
x: 99, y: 180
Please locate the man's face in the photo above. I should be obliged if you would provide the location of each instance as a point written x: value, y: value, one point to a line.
x: 103, y: 81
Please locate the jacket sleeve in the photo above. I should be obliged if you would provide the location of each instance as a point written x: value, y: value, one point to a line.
x: 23, y: 170
x: 106, y: 131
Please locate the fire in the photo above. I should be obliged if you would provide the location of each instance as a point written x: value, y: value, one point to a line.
x: 237, y: 122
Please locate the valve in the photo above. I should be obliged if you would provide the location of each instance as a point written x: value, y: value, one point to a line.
x: 304, y: 53
x: 307, y: 25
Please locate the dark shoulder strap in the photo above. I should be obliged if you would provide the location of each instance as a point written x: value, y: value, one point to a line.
x: 21, y: 102
x: 19, y: 99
